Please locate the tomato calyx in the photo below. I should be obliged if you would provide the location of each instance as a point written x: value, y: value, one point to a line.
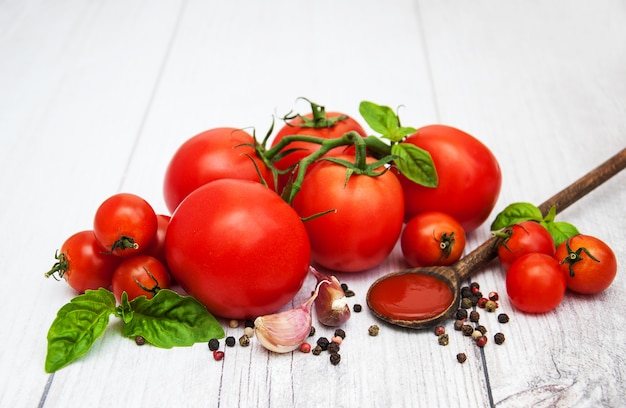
x: 124, y: 242
x: 574, y: 257
x: 446, y: 242
x: 59, y: 268
x: 319, y: 119
x: 154, y: 289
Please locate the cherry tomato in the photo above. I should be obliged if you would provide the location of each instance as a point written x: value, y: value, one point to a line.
x: 432, y: 238
x: 141, y: 275
x: 298, y: 126
x: 588, y: 264
x: 125, y: 224
x: 84, y: 263
x: 238, y: 248
x: 212, y: 155
x: 524, y: 238
x: 157, y: 249
x: 535, y: 283
x: 366, y: 220
x: 469, y: 177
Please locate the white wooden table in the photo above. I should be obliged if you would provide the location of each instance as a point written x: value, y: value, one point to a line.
x: 96, y: 96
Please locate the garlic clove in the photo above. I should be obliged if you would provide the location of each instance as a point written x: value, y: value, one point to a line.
x: 331, y: 305
x: 285, y: 331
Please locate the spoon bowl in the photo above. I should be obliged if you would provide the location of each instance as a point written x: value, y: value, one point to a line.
x: 453, y: 275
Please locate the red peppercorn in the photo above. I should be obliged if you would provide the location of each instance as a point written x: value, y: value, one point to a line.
x: 481, y: 341
x: 494, y: 296
x: 305, y: 348
x: 218, y: 355
x: 481, y: 302
x: 439, y: 330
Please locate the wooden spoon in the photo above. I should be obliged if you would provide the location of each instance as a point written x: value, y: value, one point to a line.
x: 461, y: 270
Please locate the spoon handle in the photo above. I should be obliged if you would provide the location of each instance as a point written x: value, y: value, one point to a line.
x: 563, y: 199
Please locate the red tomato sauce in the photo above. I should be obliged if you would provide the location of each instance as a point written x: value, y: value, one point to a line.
x: 410, y: 296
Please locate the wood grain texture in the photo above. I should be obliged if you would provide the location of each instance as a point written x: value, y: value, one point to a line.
x: 96, y: 96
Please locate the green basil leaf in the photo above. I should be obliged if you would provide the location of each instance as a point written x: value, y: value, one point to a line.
x: 381, y: 119
x: 77, y: 326
x: 561, y: 231
x: 171, y: 320
x: 516, y: 213
x: 415, y: 163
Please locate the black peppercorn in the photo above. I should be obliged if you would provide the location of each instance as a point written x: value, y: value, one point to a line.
x: 230, y: 341
x: 458, y: 325
x: 214, y: 344
x: 344, y: 287
x: 333, y: 347
x: 481, y: 329
x: 312, y: 332
x: 335, y: 358
x: 461, y: 314
x: 474, y: 316
x: 357, y: 308
x: 461, y: 357
x: 323, y: 343
x: 248, y: 323
x: 498, y: 338
x: 474, y: 286
x: 349, y: 293
x: 317, y: 350
x: 140, y: 340
x: 503, y: 318
x: 467, y: 330
x: 340, y: 333
x: 466, y: 292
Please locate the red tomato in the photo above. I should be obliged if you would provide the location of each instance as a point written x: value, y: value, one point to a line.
x: 432, y: 238
x: 588, y: 264
x: 238, y: 248
x: 125, y: 224
x: 469, y: 177
x: 84, y: 263
x: 524, y: 238
x: 212, y: 155
x: 140, y: 275
x: 367, y: 220
x: 535, y: 283
x: 303, y: 149
x: 157, y: 249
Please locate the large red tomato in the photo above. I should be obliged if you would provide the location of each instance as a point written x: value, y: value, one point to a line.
x: 469, y: 177
x: 365, y: 224
x: 211, y: 155
x: 298, y: 126
x: 238, y: 248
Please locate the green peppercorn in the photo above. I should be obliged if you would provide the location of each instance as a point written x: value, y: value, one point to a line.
x: 357, y: 308
x: 503, y: 318
x: 491, y: 306
x: 443, y: 339
x: 335, y: 358
x: 244, y: 341
x: 461, y: 357
x: 214, y: 344
x: 340, y: 333
x: 230, y: 341
x: 498, y: 338
x: 373, y: 330
x: 466, y: 303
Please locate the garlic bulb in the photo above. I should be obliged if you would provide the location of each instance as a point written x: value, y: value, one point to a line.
x: 285, y: 331
x: 331, y: 305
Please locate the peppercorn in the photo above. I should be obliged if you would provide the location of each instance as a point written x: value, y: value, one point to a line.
x: 349, y: 293
x: 481, y: 341
x: 466, y: 303
x: 306, y: 348
x: 474, y: 299
x: 357, y: 308
x: 481, y: 302
x: 373, y: 330
x: 218, y: 355
x: 481, y: 328
x: 312, y: 332
x: 233, y: 324
x: 443, y: 339
x: 474, y: 316
x: 503, y: 318
x: 476, y: 334
x: 336, y: 339
x: 494, y: 296
x: 323, y: 342
x: 498, y: 338
x: 230, y: 341
x: 458, y: 325
x: 244, y: 341
x: 439, y: 330
x: 477, y: 293
x: 335, y: 358
x: 461, y: 357
x: 249, y: 331
x: 461, y: 314
x: 474, y: 286
x: 248, y: 323
x: 466, y: 292
x: 333, y: 347
x: 317, y: 350
x: 491, y: 306
x: 467, y: 330
x: 344, y: 287
x: 140, y: 340
x: 340, y: 333
x: 214, y: 344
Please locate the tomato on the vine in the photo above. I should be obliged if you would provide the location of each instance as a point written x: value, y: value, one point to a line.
x: 322, y: 124
x: 535, y: 283
x: 468, y: 172
x: 141, y: 275
x: 524, y: 238
x: 432, y: 238
x: 365, y: 218
x: 238, y: 248
x: 588, y: 264
x: 125, y: 224
x: 212, y: 155
x: 84, y: 263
